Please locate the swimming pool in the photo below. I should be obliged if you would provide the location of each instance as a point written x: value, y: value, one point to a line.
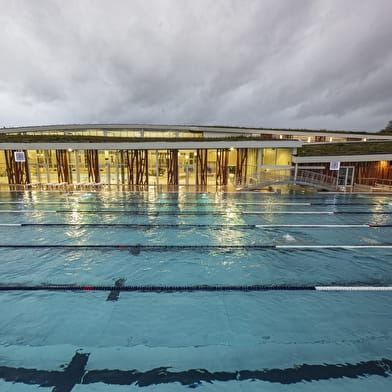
x: 122, y: 291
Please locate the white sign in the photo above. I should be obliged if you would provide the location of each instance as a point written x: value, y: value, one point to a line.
x: 334, y: 165
x: 19, y: 156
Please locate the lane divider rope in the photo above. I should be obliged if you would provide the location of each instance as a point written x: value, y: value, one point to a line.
x: 164, y: 225
x: 136, y: 249
x: 180, y: 288
x: 147, y: 202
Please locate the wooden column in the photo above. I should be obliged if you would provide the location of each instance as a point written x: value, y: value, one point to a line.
x: 172, y: 167
x: 201, y: 167
x: 222, y: 158
x: 63, y: 173
x: 17, y: 172
x: 92, y: 166
x: 137, y: 164
x: 241, y: 165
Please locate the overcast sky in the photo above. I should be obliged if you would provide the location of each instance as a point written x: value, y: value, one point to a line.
x: 320, y: 64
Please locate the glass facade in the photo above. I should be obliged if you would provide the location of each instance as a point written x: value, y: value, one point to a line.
x: 150, y: 133
x: 276, y: 157
x: 42, y: 166
x: 113, y: 167
x: 159, y: 134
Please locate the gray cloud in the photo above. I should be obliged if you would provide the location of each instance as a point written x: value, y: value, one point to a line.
x: 315, y: 64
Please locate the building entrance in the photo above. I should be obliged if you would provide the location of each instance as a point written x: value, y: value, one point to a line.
x: 346, y: 176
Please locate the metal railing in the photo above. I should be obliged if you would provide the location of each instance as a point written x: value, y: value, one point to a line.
x: 315, y: 178
x: 300, y: 177
x: 372, y: 181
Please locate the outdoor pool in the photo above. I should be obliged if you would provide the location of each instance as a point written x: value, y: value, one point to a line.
x: 125, y: 291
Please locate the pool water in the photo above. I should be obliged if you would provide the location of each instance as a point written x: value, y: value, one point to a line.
x: 270, y: 340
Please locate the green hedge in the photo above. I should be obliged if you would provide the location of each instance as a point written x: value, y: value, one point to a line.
x: 352, y: 148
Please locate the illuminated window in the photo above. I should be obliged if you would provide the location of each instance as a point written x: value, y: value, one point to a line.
x: 283, y: 157
x: 269, y: 156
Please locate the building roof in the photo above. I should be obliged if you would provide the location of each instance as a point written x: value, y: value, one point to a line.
x: 196, y: 128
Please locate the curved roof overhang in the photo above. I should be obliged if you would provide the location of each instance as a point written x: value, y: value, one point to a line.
x: 196, y: 128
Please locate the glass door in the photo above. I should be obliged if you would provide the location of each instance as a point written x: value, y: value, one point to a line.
x: 187, y: 167
x: 346, y: 176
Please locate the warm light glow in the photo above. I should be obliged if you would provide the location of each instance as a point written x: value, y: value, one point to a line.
x: 364, y: 139
x: 383, y: 164
x: 308, y: 139
x: 330, y: 139
x: 280, y: 136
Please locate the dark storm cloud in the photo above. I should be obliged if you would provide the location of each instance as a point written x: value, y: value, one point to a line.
x: 320, y: 64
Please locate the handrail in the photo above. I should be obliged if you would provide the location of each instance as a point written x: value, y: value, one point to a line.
x: 371, y: 181
x: 293, y: 177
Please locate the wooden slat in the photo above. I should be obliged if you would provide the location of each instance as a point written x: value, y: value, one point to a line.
x: 241, y: 165
x: 17, y: 172
x: 137, y: 164
x: 201, y: 167
x: 92, y: 165
x: 63, y: 172
x: 172, y: 167
x: 222, y: 156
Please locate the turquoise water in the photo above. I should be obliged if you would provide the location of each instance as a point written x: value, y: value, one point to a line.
x: 281, y: 334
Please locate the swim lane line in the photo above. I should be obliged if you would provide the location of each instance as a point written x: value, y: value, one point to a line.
x: 162, y: 248
x: 181, y: 225
x: 190, y: 288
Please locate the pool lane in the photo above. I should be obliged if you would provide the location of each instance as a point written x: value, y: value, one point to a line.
x: 334, y: 333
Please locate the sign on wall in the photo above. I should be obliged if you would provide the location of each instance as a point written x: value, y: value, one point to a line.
x: 334, y: 165
x: 19, y: 156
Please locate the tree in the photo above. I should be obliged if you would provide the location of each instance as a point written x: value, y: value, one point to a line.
x: 388, y: 128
